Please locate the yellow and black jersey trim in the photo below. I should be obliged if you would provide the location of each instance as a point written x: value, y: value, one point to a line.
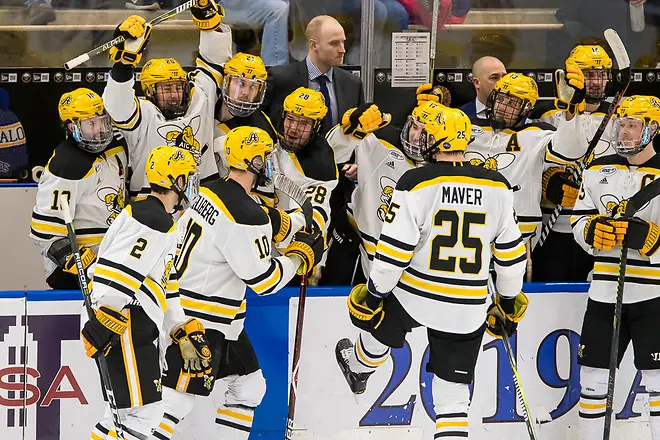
x: 320, y: 217
x: 47, y: 226
x: 528, y: 224
x: 128, y: 281
x: 484, y: 124
x: 232, y: 200
x: 369, y: 243
x: 620, y: 163
x: 317, y: 161
x: 510, y: 253
x: 266, y: 197
x: 212, y: 308
x: 151, y: 213
x: 637, y: 271
x: 133, y: 121
x: 209, y: 69
x: 172, y: 287
x: 393, y: 251
x: 265, y: 283
x: 449, y: 290
x: 578, y: 214
x: 450, y: 173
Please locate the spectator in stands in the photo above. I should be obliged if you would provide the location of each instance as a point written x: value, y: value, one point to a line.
x: 39, y: 11
x: 342, y: 90
x: 486, y: 71
x: 13, y: 146
x: 273, y: 17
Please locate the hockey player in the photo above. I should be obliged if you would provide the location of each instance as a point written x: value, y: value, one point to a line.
x: 380, y: 164
x: 608, y: 182
x: 227, y: 246
x: 89, y: 168
x: 570, y: 262
x: 243, y: 91
x: 431, y: 269
x: 135, y: 295
x: 178, y: 108
x: 506, y: 142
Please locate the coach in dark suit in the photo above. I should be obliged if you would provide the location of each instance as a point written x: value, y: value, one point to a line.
x: 486, y: 71
x: 342, y: 91
x: 319, y: 71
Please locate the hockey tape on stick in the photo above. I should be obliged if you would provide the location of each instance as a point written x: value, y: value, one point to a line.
x: 82, y: 281
x: 77, y: 61
x: 623, y: 64
x: 434, y: 39
x: 520, y: 394
x: 295, y: 193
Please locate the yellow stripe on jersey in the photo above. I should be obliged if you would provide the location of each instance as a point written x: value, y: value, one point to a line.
x: 89, y: 240
x: 269, y: 282
x: 135, y: 117
x: 223, y: 127
x: 172, y: 286
x: 646, y: 272
x: 217, y: 202
x: 48, y: 228
x: 157, y: 291
x: 295, y: 162
x: 464, y: 291
x: 117, y: 276
x: 648, y: 170
x: 457, y: 180
x: 528, y: 228
x: 510, y: 254
x: 392, y: 252
x: 369, y: 247
x: 392, y: 147
x: 318, y: 219
x: 213, y: 309
x: 130, y: 365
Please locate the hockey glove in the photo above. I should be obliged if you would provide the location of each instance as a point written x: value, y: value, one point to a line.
x: 359, y: 122
x: 60, y: 253
x: 599, y: 232
x: 366, y: 310
x: 207, y: 14
x: 309, y: 248
x: 194, y: 346
x: 507, y: 313
x: 559, y: 187
x: 280, y: 221
x: 103, y: 330
x: 639, y: 234
x: 426, y: 92
x: 570, y: 89
x: 137, y: 33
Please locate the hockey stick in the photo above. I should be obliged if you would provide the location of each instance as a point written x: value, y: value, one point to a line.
x: 623, y: 64
x: 632, y: 205
x: 82, y: 281
x: 524, y: 406
x: 77, y: 61
x: 434, y: 39
x: 288, y: 187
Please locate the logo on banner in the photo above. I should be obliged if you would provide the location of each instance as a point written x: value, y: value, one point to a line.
x: 58, y: 77
x: 41, y: 77
x: 26, y: 77
x: 48, y: 382
x: 9, y: 77
x: 90, y: 76
x: 73, y: 77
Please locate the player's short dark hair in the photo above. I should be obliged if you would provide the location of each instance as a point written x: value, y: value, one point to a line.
x: 158, y: 189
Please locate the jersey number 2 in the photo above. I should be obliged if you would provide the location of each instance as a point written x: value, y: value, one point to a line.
x: 451, y: 240
x: 140, y: 245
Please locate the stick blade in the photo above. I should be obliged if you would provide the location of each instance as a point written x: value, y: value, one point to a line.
x: 619, y: 50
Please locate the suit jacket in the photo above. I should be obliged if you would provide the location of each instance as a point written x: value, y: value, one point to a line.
x: 284, y: 79
x: 470, y: 109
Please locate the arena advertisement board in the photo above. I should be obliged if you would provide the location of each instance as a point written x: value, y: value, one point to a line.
x: 399, y: 393
x: 61, y: 398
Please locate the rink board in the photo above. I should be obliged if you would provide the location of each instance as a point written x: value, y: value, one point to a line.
x: 39, y: 340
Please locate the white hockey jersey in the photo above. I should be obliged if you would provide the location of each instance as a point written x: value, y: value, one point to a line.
x: 608, y: 181
x: 93, y: 184
x: 145, y: 127
x: 586, y: 128
x: 380, y: 165
x: 519, y: 154
x: 136, y: 265
x: 226, y: 246
x: 444, y: 224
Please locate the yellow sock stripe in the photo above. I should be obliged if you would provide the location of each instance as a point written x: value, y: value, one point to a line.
x: 593, y: 406
x: 97, y: 437
x: 440, y: 425
x: 235, y: 415
x: 363, y: 357
x: 165, y: 427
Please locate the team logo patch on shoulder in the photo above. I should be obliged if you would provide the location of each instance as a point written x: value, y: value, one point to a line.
x: 395, y: 154
x: 607, y: 170
x: 477, y: 130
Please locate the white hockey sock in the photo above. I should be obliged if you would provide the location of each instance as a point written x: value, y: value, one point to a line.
x: 592, y: 416
x: 166, y: 427
x: 100, y: 432
x: 654, y: 405
x: 368, y: 354
x: 451, y: 402
x: 234, y: 422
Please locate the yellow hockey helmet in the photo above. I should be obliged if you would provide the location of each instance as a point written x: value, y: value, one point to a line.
x: 165, y: 83
x: 431, y: 128
x: 166, y: 164
x: 91, y: 126
x: 511, y: 100
x: 302, y: 117
x: 244, y: 84
x: 636, y: 124
x: 249, y: 149
x: 596, y: 66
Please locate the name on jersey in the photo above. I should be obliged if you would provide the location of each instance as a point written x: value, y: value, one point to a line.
x: 205, y: 209
x: 461, y: 195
